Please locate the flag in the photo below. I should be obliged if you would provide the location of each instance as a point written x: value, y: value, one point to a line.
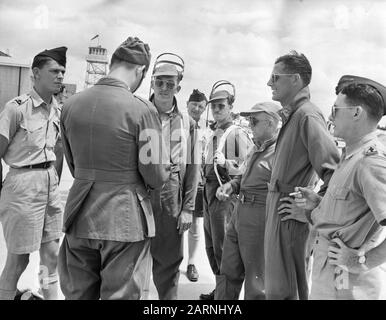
x: 95, y: 37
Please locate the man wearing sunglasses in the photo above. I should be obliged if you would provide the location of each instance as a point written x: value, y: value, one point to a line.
x: 243, y: 252
x: 305, y: 152
x: 173, y: 205
x: 350, y: 251
x: 227, y: 149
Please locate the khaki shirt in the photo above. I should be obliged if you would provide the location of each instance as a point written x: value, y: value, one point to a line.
x: 31, y: 128
x: 353, y: 207
x: 255, y: 179
x: 184, y: 167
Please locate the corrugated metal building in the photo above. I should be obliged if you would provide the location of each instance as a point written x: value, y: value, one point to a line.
x: 15, y: 78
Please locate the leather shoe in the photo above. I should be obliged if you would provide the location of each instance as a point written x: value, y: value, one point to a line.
x: 207, y: 296
x: 192, y: 273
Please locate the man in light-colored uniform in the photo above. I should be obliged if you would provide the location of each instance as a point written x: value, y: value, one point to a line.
x: 196, y: 106
x: 111, y: 141
x: 243, y: 252
x: 304, y: 151
x: 30, y: 208
x: 350, y: 250
x: 173, y: 205
x: 227, y: 148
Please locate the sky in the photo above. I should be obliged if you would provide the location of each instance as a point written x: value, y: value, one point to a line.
x: 233, y: 40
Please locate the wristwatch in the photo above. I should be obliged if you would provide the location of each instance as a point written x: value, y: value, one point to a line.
x: 362, y: 259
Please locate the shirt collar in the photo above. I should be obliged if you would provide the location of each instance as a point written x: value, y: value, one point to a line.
x: 224, y: 126
x: 174, y: 110
x: 37, y: 101
x: 110, y: 81
x: 265, y: 144
x: 360, y: 144
x: 301, y: 97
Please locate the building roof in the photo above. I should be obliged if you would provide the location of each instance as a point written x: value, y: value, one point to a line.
x: 2, y: 54
x: 9, y: 61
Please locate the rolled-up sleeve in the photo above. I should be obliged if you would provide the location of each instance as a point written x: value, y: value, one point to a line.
x: 8, y: 121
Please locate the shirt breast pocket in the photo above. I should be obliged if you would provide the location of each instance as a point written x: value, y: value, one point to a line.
x: 35, y: 132
x: 339, y: 212
x: 53, y: 133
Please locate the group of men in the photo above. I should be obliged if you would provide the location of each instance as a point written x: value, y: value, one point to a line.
x: 145, y: 170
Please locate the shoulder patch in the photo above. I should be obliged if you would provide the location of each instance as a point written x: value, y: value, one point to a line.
x: 371, y: 150
x: 21, y: 99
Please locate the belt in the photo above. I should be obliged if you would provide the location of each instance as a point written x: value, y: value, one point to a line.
x: 44, y: 165
x: 243, y: 198
x: 124, y: 176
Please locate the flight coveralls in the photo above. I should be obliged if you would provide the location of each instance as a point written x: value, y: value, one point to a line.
x: 30, y: 207
x: 179, y: 193
x: 304, y: 151
x: 217, y: 213
x: 243, y: 252
x: 351, y: 210
x: 109, y: 136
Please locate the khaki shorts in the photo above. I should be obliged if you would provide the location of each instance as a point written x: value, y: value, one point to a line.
x: 30, y: 209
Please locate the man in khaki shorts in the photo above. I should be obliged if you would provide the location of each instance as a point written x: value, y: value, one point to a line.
x: 30, y: 208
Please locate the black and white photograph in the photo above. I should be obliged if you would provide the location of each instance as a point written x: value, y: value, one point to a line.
x: 204, y: 151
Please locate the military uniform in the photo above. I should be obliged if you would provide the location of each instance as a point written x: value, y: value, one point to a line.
x: 243, y: 252
x: 304, y: 151
x: 351, y: 210
x: 178, y: 193
x: 108, y: 218
x: 30, y: 208
x: 217, y: 213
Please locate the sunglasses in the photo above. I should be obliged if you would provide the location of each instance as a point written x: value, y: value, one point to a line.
x: 275, y: 76
x: 333, y: 109
x: 169, y: 84
x: 220, y: 106
x: 254, y: 121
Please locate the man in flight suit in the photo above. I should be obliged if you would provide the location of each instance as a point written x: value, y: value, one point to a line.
x: 30, y: 208
x: 173, y: 206
x: 227, y: 148
x: 304, y: 151
x: 243, y: 252
x: 108, y: 220
x: 350, y: 250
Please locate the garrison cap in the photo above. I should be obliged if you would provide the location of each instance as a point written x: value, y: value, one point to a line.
x: 268, y: 107
x: 197, y: 96
x: 57, y: 54
x: 219, y: 95
x: 134, y: 51
x: 349, y: 79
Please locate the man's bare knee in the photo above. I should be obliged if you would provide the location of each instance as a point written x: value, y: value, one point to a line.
x: 16, y: 263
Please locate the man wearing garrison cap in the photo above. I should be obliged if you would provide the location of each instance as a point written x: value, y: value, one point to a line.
x: 108, y: 220
x: 196, y: 106
x: 30, y: 208
x: 350, y: 251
